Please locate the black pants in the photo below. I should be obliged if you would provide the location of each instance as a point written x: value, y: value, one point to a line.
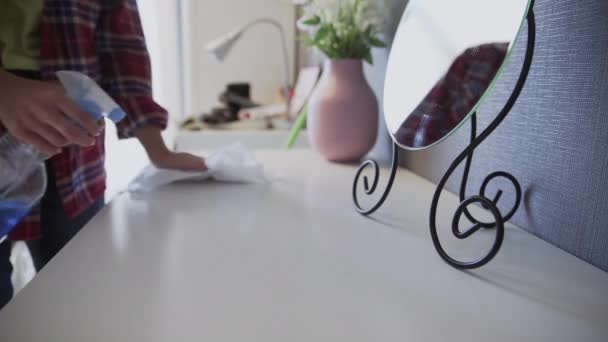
x: 6, y: 269
x: 57, y: 231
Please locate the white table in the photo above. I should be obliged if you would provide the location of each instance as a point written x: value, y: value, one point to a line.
x: 294, y: 262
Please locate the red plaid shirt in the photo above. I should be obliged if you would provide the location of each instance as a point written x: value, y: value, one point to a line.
x: 103, y: 39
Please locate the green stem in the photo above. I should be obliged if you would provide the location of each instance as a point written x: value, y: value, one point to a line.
x: 297, y: 128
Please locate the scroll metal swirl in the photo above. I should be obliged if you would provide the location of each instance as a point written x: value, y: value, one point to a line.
x: 490, y: 204
x: 370, y: 190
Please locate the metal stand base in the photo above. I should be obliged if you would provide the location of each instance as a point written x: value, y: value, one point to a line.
x: 485, y: 202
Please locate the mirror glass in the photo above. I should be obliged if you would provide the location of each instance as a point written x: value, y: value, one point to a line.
x: 444, y: 60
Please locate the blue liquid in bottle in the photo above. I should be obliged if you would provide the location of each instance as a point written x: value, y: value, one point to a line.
x: 11, y: 214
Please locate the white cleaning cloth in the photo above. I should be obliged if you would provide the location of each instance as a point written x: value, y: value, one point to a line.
x: 234, y: 164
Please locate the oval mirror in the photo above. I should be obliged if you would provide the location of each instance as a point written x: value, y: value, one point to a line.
x: 444, y: 60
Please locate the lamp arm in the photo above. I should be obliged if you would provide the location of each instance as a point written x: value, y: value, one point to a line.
x: 279, y: 27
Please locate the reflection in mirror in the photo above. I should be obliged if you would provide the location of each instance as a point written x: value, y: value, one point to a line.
x: 445, y: 58
x: 454, y: 96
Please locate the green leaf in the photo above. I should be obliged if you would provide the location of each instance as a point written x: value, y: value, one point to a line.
x: 322, y: 33
x: 368, y: 57
x: 375, y: 42
x: 314, y: 21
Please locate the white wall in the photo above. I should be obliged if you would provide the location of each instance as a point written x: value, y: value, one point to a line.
x: 125, y: 158
x: 256, y: 58
x: 161, y: 27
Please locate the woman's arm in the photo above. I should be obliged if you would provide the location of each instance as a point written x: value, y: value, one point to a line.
x: 152, y: 140
x: 126, y: 76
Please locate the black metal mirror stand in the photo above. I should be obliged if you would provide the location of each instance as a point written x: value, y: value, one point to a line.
x: 481, y: 199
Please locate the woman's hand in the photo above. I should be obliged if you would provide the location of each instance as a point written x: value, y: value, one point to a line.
x: 179, y: 161
x: 41, y: 114
x: 163, y: 158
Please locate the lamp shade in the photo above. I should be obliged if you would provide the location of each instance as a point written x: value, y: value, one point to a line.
x: 221, y: 46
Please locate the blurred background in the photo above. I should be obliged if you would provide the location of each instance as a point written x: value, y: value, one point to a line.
x: 188, y: 79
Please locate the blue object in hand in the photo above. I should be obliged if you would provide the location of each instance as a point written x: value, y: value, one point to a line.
x: 91, y: 107
x: 90, y: 96
x: 22, y: 169
x: 11, y: 213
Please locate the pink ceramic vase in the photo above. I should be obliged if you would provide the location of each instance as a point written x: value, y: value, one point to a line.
x: 343, y: 112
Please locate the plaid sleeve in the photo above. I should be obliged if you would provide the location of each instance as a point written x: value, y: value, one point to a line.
x: 125, y: 66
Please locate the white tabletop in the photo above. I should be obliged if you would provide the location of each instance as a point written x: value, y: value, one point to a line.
x: 293, y: 261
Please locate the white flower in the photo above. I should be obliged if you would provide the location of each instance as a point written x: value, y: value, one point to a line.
x: 369, y: 12
x: 327, y: 10
x: 344, y: 23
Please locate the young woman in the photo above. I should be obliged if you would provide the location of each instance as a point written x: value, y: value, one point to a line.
x: 103, y: 39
